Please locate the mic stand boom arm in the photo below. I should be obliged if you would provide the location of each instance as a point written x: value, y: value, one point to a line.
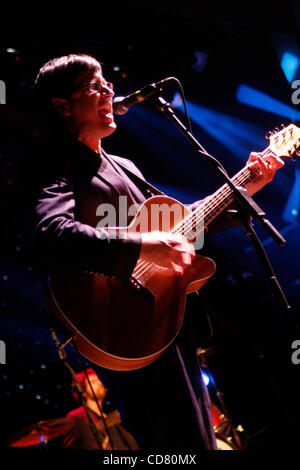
x: 245, y: 203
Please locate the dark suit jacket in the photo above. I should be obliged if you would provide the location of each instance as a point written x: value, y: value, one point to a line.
x: 70, y: 184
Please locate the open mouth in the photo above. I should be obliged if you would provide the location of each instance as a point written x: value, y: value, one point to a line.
x: 105, y: 110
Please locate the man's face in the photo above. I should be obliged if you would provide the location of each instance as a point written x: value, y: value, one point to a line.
x: 98, y: 388
x: 90, y: 110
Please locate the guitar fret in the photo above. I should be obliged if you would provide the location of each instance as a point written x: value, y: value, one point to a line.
x: 200, y: 218
x: 194, y: 224
x: 213, y: 206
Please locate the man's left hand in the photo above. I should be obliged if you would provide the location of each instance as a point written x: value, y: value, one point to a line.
x: 267, y: 166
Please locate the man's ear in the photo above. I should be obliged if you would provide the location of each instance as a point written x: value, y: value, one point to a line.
x: 61, y: 105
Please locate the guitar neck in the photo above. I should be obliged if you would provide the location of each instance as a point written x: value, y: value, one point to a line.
x: 216, y: 203
x: 282, y: 143
x: 200, y: 218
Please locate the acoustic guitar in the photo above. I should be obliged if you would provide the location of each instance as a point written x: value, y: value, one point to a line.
x: 126, y: 325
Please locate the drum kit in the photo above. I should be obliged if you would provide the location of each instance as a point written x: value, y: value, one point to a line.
x: 43, y: 431
x: 227, y: 435
x: 40, y: 433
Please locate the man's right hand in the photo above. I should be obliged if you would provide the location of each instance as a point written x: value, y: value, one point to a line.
x: 171, y: 251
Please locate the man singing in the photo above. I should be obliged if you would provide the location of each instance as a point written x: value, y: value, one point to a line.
x: 165, y: 405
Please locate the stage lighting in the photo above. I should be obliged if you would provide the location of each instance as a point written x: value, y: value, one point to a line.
x: 235, y: 134
x: 257, y: 99
x: 289, y: 65
x: 205, y: 378
x: 201, y: 61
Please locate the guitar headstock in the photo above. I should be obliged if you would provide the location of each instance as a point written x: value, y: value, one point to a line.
x: 284, y: 142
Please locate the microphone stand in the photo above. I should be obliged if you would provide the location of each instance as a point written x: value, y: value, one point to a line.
x: 248, y: 207
x: 62, y: 355
x: 226, y: 426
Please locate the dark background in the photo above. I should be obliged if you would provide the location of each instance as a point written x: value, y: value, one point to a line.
x: 148, y: 41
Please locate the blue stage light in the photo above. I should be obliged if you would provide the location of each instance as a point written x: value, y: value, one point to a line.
x: 235, y: 134
x: 205, y: 378
x: 257, y: 99
x: 201, y: 61
x: 289, y: 65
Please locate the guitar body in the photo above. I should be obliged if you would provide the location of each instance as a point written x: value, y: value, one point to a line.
x: 124, y: 325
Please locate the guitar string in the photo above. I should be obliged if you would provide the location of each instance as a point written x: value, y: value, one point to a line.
x: 190, y: 222
x: 197, y: 215
x: 217, y: 200
x: 244, y: 176
x: 219, y: 197
x: 144, y: 266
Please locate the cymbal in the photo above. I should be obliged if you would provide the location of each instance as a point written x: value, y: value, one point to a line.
x: 40, y: 432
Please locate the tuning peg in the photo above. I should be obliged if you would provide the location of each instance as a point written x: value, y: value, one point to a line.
x: 282, y: 126
x: 276, y: 130
x: 268, y: 135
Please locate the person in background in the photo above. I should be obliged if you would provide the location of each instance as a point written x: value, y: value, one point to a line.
x: 113, y: 436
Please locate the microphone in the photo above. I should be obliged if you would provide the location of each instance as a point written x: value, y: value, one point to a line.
x: 121, y: 104
x: 59, y: 347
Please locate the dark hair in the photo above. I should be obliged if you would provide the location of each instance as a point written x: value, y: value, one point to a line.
x: 57, y: 76
x: 81, y: 378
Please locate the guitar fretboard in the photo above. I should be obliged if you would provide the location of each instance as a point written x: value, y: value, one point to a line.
x: 213, y: 205
x: 195, y: 223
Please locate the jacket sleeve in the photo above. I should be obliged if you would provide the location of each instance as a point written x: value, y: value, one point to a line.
x: 58, y: 234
